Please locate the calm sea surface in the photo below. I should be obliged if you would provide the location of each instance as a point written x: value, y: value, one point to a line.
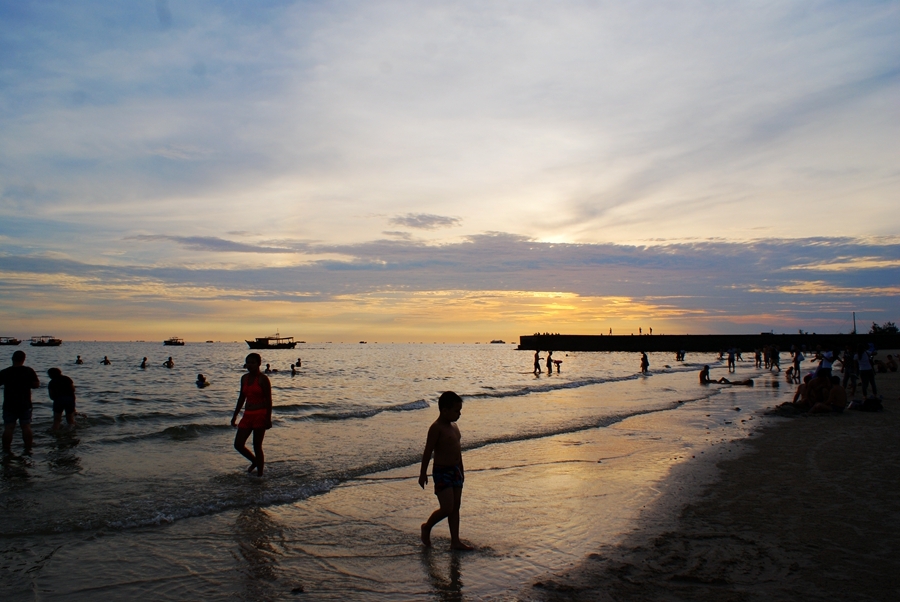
x: 152, y: 451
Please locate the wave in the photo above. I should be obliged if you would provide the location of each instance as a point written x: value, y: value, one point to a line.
x: 367, y: 412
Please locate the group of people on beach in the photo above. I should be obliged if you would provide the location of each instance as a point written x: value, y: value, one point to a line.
x: 823, y: 391
x: 254, y: 408
x: 550, y: 363
x: 18, y: 380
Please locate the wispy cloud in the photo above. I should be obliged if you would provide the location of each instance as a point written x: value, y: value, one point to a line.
x: 211, y: 243
x: 424, y: 221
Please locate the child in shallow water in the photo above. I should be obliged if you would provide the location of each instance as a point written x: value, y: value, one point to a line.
x: 448, y: 473
x: 256, y: 391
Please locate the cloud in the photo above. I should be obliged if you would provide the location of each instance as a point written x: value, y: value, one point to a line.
x: 211, y: 243
x: 424, y: 221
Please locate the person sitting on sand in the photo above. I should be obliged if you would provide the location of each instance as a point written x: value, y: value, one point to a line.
x: 169, y: 363
x: 144, y: 363
x: 256, y: 391
x: 704, y: 376
x: 61, y: 390
x: 818, y: 389
x: 79, y: 361
x: 836, y: 400
x: 201, y: 381
x: 105, y: 361
x: 448, y: 473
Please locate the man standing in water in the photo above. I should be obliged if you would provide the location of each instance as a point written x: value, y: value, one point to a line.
x: 537, y: 362
x: 645, y: 363
x: 256, y: 391
x: 18, y: 380
x: 448, y: 473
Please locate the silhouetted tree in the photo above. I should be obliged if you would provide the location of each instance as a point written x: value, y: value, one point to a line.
x: 886, y: 328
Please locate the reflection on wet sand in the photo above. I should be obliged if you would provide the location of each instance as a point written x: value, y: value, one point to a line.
x: 260, y: 541
x: 444, y: 588
x: 61, y: 455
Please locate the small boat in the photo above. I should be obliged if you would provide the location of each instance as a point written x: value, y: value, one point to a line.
x: 364, y: 342
x: 498, y: 342
x: 174, y: 341
x: 45, y: 341
x: 210, y: 341
x: 9, y: 341
x: 276, y: 341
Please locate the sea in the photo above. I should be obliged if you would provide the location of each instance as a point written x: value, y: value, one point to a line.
x: 146, y: 496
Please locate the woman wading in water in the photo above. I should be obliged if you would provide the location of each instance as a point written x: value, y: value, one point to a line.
x: 256, y: 391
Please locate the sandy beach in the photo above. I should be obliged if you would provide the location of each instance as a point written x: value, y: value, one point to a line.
x: 808, y: 512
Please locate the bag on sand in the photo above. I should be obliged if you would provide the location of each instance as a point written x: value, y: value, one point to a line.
x: 872, y: 404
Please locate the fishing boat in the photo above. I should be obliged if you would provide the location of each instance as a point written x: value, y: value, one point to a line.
x: 174, y: 341
x: 45, y: 341
x: 275, y: 341
x: 498, y: 342
x: 9, y: 341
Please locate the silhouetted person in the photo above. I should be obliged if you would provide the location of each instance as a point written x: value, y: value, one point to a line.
x: 144, y: 363
x: 256, y: 392
x: 645, y: 363
x: 169, y: 363
x: 79, y: 361
x: 299, y: 363
x: 62, y: 391
x: 201, y: 381
x: 549, y: 363
x: 18, y: 380
x: 293, y: 370
x: 106, y: 361
x: 704, y: 376
x: 537, y: 362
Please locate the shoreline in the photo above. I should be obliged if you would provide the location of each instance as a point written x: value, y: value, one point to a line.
x: 808, y: 511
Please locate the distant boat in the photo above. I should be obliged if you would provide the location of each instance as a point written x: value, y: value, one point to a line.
x: 9, y: 341
x: 174, y: 341
x: 210, y: 341
x: 45, y: 341
x: 498, y: 342
x: 363, y: 342
x: 276, y: 341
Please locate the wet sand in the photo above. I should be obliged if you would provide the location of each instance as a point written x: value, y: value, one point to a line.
x: 811, y: 511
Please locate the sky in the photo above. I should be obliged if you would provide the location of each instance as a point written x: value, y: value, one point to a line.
x: 447, y: 171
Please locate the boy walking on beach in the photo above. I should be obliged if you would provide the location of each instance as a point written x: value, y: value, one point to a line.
x: 443, y: 442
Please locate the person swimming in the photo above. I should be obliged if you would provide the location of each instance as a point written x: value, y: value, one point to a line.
x: 201, y: 381
x: 144, y: 363
x: 169, y: 363
x: 106, y: 361
x: 79, y: 361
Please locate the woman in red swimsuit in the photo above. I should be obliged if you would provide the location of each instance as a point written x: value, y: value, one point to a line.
x: 256, y: 391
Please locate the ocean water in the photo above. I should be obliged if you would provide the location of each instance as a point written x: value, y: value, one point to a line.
x: 147, y: 496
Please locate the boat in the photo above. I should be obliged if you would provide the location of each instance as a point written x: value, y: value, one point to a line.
x: 45, y: 341
x: 498, y: 342
x: 9, y: 341
x: 210, y: 341
x: 175, y: 341
x: 275, y: 341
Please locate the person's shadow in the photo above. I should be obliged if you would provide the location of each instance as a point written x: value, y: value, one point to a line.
x: 444, y: 588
